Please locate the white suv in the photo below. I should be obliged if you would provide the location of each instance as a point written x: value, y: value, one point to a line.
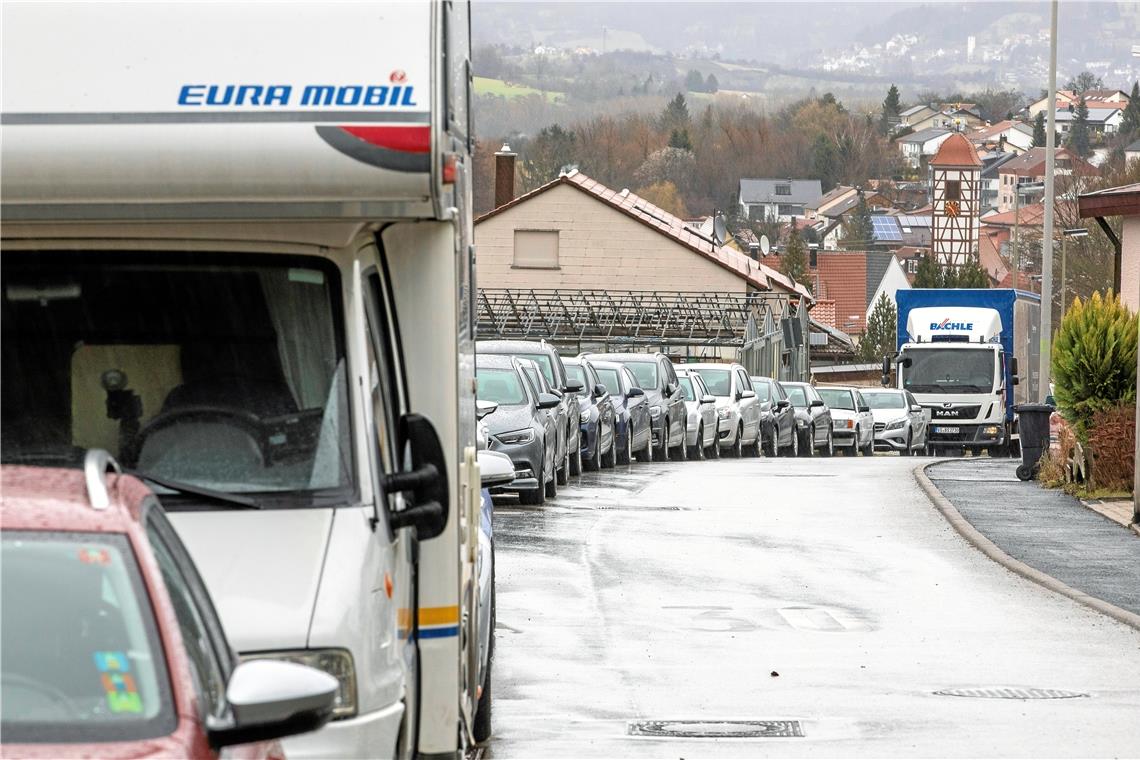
x: 737, y: 408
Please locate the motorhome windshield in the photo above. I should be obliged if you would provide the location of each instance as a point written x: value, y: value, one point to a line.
x: 225, y: 372
x: 949, y: 370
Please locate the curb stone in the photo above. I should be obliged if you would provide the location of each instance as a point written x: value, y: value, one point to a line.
x: 991, y: 550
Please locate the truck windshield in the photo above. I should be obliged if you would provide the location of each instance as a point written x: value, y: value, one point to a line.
x: 949, y: 370
x: 222, y: 371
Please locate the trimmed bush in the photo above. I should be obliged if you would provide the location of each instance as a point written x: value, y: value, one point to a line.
x: 1094, y: 360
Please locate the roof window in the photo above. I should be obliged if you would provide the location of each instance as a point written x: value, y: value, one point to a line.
x: 783, y: 189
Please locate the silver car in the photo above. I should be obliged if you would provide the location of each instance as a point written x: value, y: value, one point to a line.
x: 701, y: 407
x: 737, y: 407
x: 854, y: 425
x: 900, y: 423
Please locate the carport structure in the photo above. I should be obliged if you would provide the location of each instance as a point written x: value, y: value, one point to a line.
x: 763, y: 330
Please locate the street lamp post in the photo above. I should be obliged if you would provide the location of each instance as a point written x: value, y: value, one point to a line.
x: 1076, y: 232
x: 1018, y: 189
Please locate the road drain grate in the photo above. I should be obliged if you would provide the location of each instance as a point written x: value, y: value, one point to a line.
x: 1004, y: 693
x: 717, y: 729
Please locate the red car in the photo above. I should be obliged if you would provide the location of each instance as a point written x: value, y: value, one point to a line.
x: 111, y: 646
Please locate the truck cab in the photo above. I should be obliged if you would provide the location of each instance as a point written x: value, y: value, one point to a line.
x: 248, y: 274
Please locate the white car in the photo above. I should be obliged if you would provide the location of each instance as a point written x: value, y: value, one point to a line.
x: 703, y: 422
x: 853, y: 421
x: 737, y: 408
x: 900, y: 423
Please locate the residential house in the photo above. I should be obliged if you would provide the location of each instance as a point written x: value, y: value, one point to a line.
x: 1101, y: 121
x: 995, y: 236
x: 851, y: 279
x: 1121, y: 201
x: 778, y: 200
x: 915, y: 229
x: 837, y: 202
x: 574, y: 233
x: 954, y: 116
x: 914, y: 115
x: 1030, y: 167
x: 893, y: 280
x: 918, y: 147
x: 990, y: 179
x: 1005, y: 136
x: 1066, y: 98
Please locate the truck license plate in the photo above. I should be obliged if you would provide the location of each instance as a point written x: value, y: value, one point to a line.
x: 947, y: 430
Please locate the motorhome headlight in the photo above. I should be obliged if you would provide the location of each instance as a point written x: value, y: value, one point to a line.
x: 898, y: 424
x: 516, y: 437
x: 336, y: 662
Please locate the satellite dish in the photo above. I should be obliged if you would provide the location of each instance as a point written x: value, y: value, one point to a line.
x: 765, y: 246
x: 720, y: 231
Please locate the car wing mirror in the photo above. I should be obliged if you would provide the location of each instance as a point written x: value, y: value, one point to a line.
x: 495, y: 468
x: 425, y: 481
x: 573, y: 386
x: 707, y: 399
x: 783, y: 403
x: 271, y: 699
x: 815, y: 403
x: 915, y: 408
x: 600, y: 390
x: 556, y: 393
x: 864, y: 409
x: 635, y: 393
x: 547, y: 401
x: 748, y: 394
x: 485, y: 408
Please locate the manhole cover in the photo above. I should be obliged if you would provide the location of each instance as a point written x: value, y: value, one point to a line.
x: 717, y: 729
x: 1011, y: 693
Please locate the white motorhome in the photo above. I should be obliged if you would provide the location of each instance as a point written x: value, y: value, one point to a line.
x: 237, y: 255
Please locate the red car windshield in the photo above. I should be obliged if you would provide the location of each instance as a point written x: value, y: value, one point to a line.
x: 81, y: 659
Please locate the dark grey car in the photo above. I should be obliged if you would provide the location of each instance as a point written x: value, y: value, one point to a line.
x: 667, y: 413
x: 566, y: 413
x: 777, y: 417
x: 813, y: 419
x: 520, y: 427
x: 596, y: 412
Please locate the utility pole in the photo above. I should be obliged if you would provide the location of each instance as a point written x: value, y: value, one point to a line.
x: 1074, y: 232
x: 1047, y: 237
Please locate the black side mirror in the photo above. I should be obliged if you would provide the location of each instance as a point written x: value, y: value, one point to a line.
x: 548, y: 401
x: 864, y: 409
x: 1013, y: 366
x: 706, y: 399
x: 815, y: 403
x: 600, y: 390
x: 783, y: 403
x: 426, y: 481
x: 635, y: 392
x: 573, y: 386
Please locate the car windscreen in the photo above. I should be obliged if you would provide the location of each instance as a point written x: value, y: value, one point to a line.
x: 544, y: 364
x: 837, y: 398
x: 949, y: 370
x: 762, y: 389
x: 718, y: 381
x: 797, y: 396
x: 502, y: 386
x: 885, y: 400
x: 687, y: 387
x: 645, y: 372
x: 81, y: 657
x: 225, y: 371
x: 609, y: 378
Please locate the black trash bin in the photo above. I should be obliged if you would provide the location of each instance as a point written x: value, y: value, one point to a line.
x: 1033, y: 424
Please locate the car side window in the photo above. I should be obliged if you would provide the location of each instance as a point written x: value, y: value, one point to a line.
x: 859, y: 402
x: 910, y: 400
x: 196, y: 617
x: 742, y: 381
x: 630, y: 380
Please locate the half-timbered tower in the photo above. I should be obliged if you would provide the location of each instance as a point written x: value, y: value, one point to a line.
x: 956, y: 177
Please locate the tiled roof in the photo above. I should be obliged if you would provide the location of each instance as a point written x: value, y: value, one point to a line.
x: 842, y: 277
x: 956, y: 151
x: 672, y: 227
x: 1030, y: 215
x: 824, y: 311
x: 992, y: 132
x: 1031, y: 163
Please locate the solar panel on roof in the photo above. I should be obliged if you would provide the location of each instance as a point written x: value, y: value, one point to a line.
x: 885, y: 228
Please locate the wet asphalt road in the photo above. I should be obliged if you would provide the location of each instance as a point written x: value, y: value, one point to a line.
x: 678, y: 591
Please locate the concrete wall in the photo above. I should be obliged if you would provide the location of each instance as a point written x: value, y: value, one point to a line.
x: 1130, y: 263
x: 599, y: 247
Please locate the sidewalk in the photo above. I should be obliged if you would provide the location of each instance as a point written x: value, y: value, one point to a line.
x: 1046, y: 529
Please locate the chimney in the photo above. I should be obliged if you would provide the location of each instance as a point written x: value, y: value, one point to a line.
x: 504, y: 176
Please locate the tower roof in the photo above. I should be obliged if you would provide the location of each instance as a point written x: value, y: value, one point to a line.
x: 956, y: 150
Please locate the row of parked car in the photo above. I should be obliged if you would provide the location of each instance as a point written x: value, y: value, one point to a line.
x: 557, y: 416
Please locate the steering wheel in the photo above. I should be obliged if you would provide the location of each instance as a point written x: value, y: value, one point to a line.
x: 49, y: 691
x: 227, y: 415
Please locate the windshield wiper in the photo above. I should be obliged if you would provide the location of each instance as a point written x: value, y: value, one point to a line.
x: 188, y: 489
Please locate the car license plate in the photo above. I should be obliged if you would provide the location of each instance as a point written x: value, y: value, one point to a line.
x: 947, y: 430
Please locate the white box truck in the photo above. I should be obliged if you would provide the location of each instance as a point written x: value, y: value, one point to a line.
x: 237, y: 255
x: 959, y: 352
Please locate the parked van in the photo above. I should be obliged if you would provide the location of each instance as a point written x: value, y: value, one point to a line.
x: 246, y: 271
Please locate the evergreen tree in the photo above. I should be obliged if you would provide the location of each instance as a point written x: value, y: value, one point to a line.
x: 891, y: 109
x: 1039, y: 137
x: 825, y: 162
x: 1131, y: 123
x: 879, y: 338
x: 711, y: 85
x: 676, y: 114
x: 858, y: 232
x: 679, y: 138
x: 1078, y: 139
x: 929, y: 274
x: 971, y: 275
x: 694, y: 82
x: 794, y: 261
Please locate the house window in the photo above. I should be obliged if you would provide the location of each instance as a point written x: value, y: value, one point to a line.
x: 783, y: 189
x: 953, y: 190
x: 912, y: 266
x: 789, y: 210
x: 536, y: 249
